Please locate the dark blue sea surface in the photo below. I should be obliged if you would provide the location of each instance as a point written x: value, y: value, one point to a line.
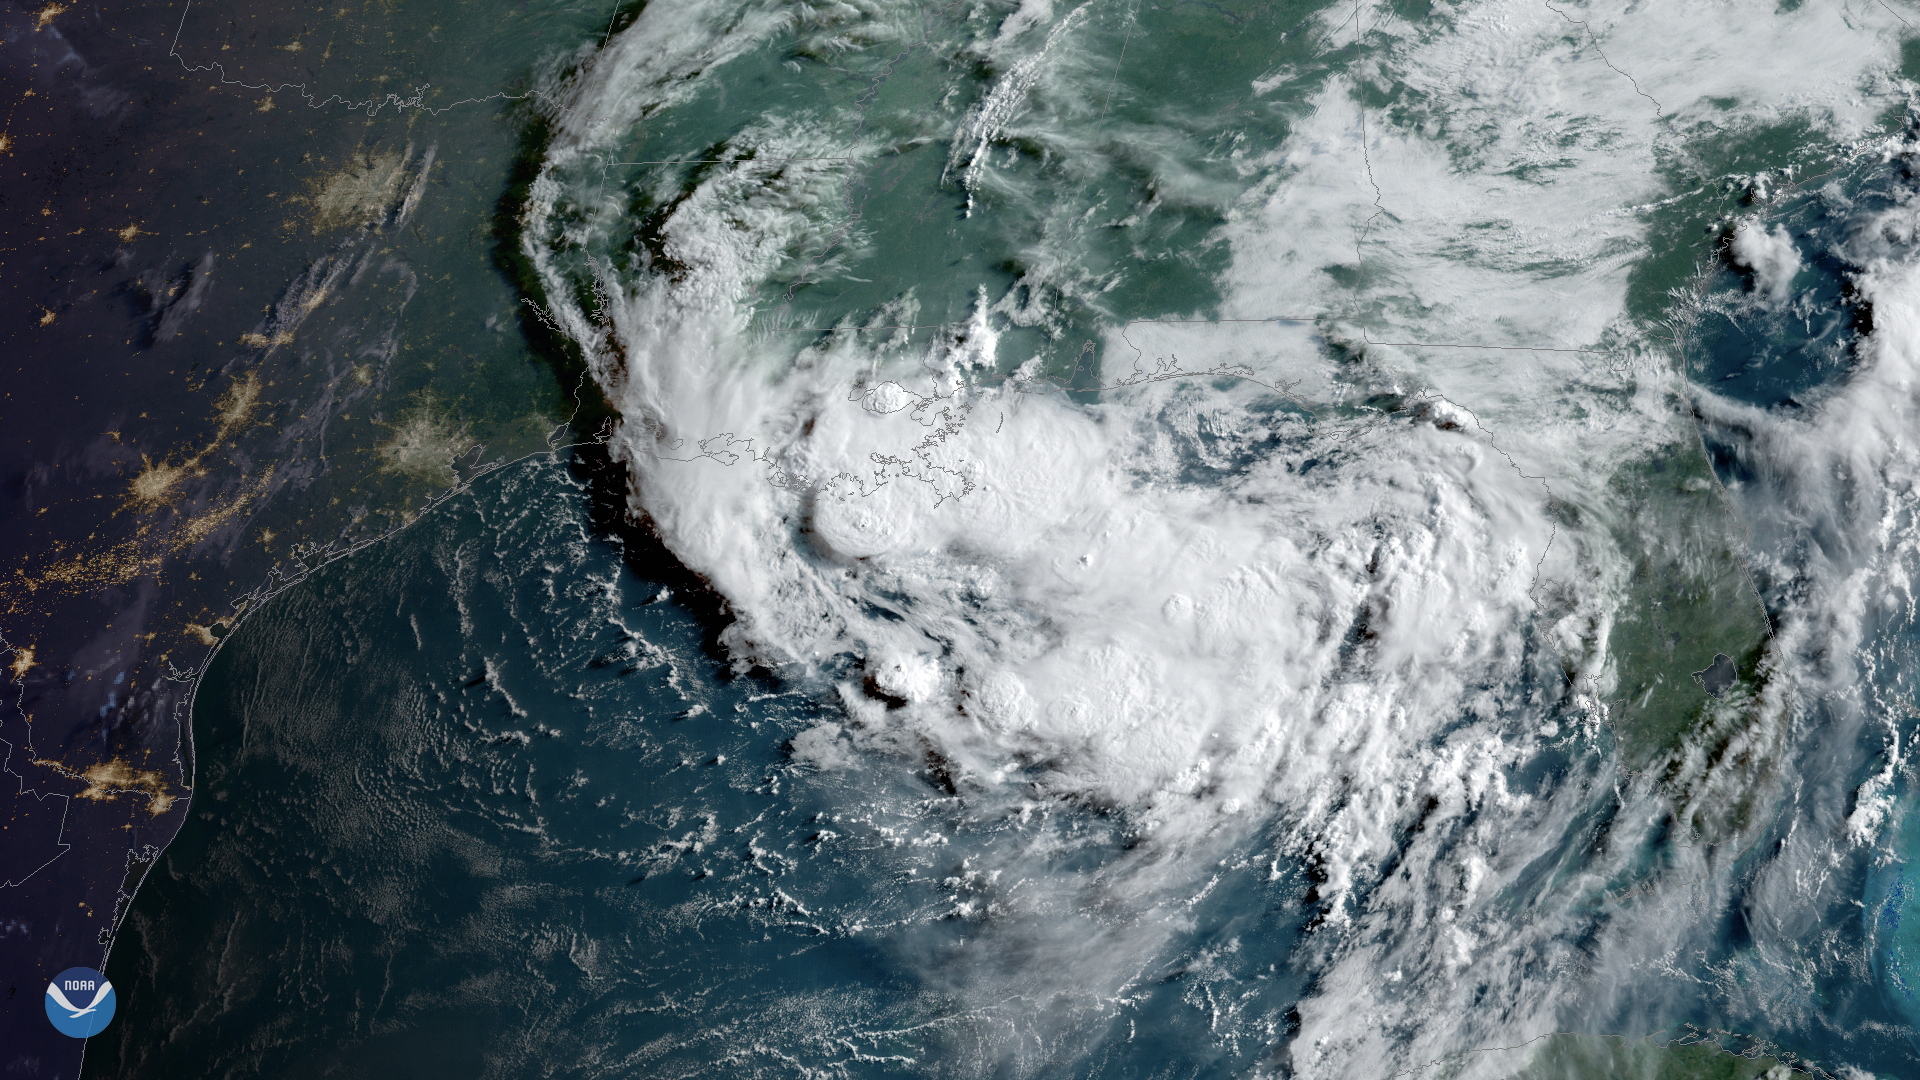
x: 1766, y: 367
x: 240, y: 278
x: 487, y: 801
x: 493, y: 798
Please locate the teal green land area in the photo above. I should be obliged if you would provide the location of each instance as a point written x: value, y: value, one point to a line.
x: 1589, y: 1057
x: 1691, y: 603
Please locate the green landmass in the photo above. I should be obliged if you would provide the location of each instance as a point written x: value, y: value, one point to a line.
x: 1596, y: 1057
x: 1712, y: 163
x: 1693, y: 603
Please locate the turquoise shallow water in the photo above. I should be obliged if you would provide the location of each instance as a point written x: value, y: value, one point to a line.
x: 1889, y: 919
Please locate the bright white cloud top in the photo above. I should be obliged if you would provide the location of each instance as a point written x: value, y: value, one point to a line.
x: 1310, y: 452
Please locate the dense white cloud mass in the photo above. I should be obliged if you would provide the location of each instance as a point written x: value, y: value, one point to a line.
x: 1770, y: 256
x: 1252, y: 605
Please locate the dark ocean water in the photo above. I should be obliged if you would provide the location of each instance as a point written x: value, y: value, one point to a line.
x: 515, y: 816
x: 232, y: 313
x: 1755, y: 366
x: 491, y: 798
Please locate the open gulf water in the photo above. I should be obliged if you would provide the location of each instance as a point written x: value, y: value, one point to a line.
x: 517, y: 818
x: 1135, y: 540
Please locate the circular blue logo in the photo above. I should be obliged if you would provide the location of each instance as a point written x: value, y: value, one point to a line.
x: 80, y: 1002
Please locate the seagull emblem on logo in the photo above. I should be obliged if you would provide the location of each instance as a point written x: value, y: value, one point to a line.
x: 60, y: 999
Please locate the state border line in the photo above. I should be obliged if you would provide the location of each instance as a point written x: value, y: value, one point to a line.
x: 1209, y: 322
x: 371, y: 104
x: 731, y: 161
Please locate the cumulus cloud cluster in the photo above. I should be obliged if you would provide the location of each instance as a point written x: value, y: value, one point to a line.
x: 1222, y: 607
x: 1770, y: 256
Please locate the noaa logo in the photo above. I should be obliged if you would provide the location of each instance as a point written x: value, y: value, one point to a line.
x: 80, y: 1002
